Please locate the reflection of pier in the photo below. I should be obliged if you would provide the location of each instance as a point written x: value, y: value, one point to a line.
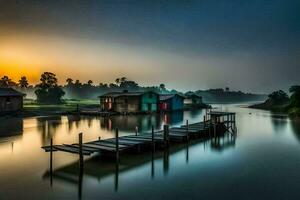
x: 101, y: 169
x: 222, y: 143
x: 144, y: 123
x: 213, y: 124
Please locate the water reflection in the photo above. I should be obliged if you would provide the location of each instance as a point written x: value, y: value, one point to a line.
x: 101, y: 169
x: 295, y: 125
x: 279, y: 122
x: 182, y: 166
x: 48, y: 126
x: 11, y: 127
x: 222, y: 143
x: 144, y: 123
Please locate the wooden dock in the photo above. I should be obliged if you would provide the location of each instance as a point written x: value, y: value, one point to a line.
x: 213, y: 123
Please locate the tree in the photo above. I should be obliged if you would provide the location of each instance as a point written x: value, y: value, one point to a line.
x: 162, y: 87
x: 23, y: 82
x: 279, y: 97
x: 90, y: 82
x: 69, y: 81
x: 227, y: 89
x: 295, y: 97
x: 48, y: 91
x: 129, y: 85
x: 117, y: 81
x: 123, y: 79
x: 5, y: 81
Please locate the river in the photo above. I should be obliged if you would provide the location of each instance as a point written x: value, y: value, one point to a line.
x: 261, y: 162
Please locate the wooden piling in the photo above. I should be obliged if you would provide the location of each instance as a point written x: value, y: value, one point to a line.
x: 152, y: 139
x: 215, y: 130
x: 80, y: 151
x: 51, y: 163
x: 117, y: 145
x: 152, y: 165
x: 136, y: 130
x: 187, y: 130
x: 117, y: 176
x: 166, y: 135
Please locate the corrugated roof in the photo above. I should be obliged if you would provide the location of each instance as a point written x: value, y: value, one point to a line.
x: 6, y: 92
x: 163, y: 97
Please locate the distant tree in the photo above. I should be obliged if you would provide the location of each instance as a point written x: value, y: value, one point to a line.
x: 295, y: 97
x: 69, y: 81
x: 90, y: 82
x: 162, y: 87
x: 5, y: 81
x: 227, y: 89
x: 103, y: 85
x: 278, y: 97
x: 123, y: 79
x: 48, y: 91
x: 112, y: 85
x: 78, y: 83
x: 117, y: 81
x: 23, y: 82
x: 130, y: 85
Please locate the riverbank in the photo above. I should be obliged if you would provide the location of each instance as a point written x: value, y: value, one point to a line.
x: 81, y: 107
x: 282, y: 108
x: 32, y: 109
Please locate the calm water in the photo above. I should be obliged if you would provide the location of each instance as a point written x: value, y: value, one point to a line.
x: 262, y: 162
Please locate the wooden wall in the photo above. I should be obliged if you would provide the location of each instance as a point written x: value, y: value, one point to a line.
x: 11, y: 104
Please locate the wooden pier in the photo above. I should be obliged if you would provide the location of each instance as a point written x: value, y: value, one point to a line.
x: 213, y: 124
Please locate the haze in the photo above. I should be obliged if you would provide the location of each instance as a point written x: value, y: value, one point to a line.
x: 188, y: 45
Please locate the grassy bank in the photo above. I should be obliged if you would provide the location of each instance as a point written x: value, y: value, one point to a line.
x: 31, y: 108
x: 278, y: 107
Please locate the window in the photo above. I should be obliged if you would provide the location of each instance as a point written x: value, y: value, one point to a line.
x: 150, y: 95
x: 126, y: 101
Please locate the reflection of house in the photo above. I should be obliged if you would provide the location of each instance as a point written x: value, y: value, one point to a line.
x: 10, y: 100
x: 169, y: 102
x: 130, y: 122
x: 193, y: 100
x: 129, y: 102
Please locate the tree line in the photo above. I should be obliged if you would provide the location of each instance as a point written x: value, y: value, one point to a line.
x: 49, y: 91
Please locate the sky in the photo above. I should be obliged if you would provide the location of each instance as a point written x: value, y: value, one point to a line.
x: 252, y: 46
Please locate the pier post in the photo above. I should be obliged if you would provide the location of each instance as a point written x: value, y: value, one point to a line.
x: 117, y: 176
x: 152, y: 165
x: 166, y: 135
x: 215, y: 130
x: 51, y: 164
x: 136, y: 130
x: 117, y: 145
x: 80, y: 151
x: 187, y: 153
x: 204, y: 121
x: 231, y: 123
x: 210, y: 126
x: 187, y: 130
x: 152, y: 139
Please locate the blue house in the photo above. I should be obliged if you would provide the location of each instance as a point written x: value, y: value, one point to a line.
x: 170, y: 102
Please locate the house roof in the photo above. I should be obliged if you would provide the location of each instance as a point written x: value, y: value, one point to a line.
x: 118, y: 94
x: 163, y: 97
x: 9, y: 92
